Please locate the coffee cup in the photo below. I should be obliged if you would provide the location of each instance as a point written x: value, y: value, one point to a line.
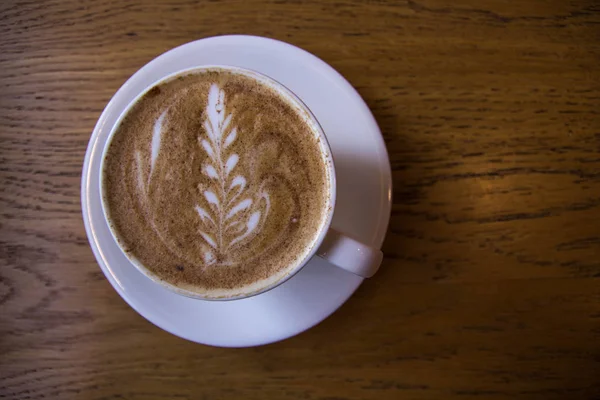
x: 324, y: 241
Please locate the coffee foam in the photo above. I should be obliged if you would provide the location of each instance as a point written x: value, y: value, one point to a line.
x: 216, y: 183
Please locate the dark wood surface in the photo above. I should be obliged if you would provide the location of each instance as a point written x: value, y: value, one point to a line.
x: 490, y: 287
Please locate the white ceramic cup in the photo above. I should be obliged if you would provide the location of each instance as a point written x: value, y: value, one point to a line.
x: 331, y: 245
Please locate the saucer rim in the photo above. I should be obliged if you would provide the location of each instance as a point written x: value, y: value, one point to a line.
x: 384, y: 174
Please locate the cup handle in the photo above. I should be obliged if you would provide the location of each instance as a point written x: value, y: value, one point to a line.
x: 349, y: 254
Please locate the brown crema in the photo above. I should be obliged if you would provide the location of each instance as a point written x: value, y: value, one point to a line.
x: 215, y: 181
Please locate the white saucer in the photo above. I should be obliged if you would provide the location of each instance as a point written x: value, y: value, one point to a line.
x: 362, y: 210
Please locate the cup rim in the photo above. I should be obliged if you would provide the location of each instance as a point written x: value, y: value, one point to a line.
x: 294, y: 100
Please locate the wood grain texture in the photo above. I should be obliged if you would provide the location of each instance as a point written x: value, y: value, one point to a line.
x: 490, y: 287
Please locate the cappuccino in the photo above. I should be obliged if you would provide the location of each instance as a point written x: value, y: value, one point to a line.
x: 217, y: 183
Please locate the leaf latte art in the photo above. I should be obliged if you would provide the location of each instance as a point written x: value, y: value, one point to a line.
x: 215, y: 182
x: 226, y: 194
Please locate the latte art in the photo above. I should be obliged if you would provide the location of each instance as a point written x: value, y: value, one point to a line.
x: 216, y: 182
x: 225, y: 222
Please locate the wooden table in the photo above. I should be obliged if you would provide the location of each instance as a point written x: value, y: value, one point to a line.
x: 490, y: 287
